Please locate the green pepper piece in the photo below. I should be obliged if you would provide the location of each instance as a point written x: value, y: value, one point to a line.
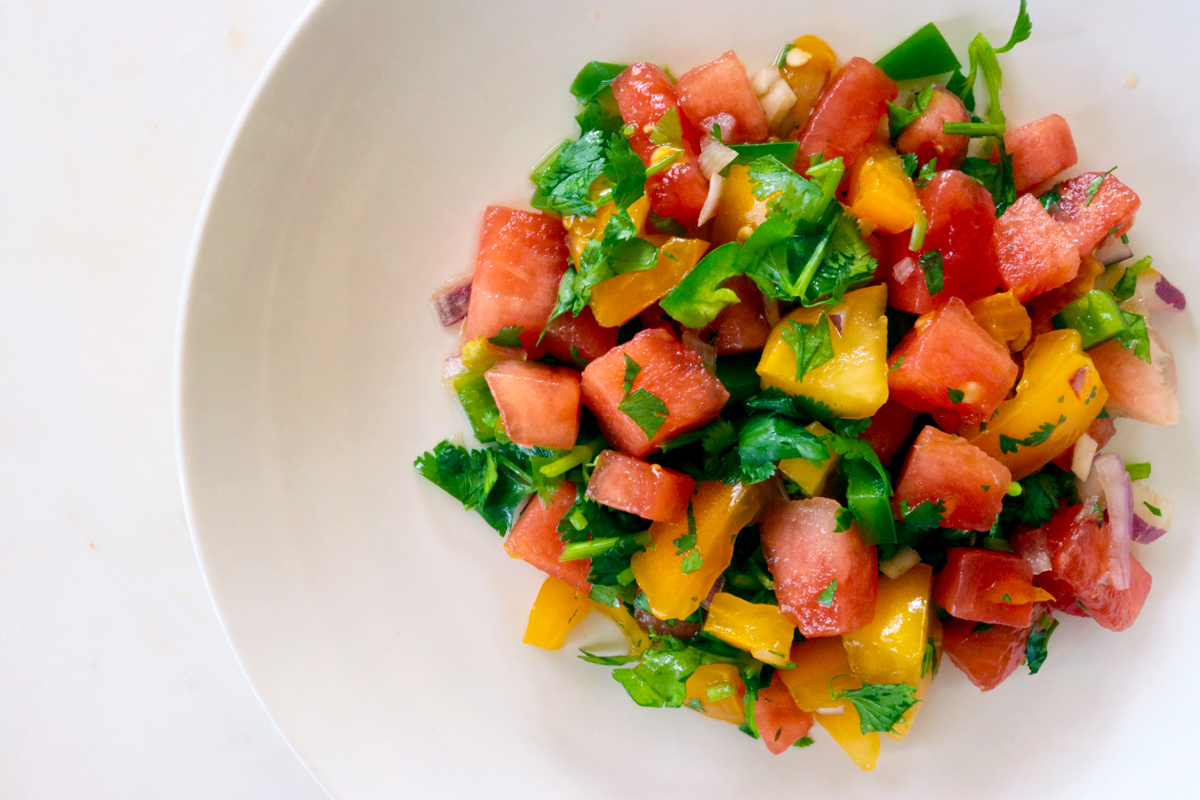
x: 924, y: 53
x: 867, y: 496
x: 1095, y: 315
x: 477, y: 401
x: 738, y: 374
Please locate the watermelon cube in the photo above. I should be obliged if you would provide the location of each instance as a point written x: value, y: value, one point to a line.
x: 987, y: 656
x: 535, y: 539
x: 743, y: 326
x: 539, y: 404
x: 1136, y: 389
x: 848, y: 112
x: 651, y: 491
x: 924, y: 137
x: 1093, y: 207
x: 972, y: 576
x: 581, y: 338
x: 1035, y: 252
x: 1040, y: 150
x: 947, y: 468
x: 721, y: 90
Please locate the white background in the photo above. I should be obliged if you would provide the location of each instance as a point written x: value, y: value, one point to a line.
x: 116, y: 680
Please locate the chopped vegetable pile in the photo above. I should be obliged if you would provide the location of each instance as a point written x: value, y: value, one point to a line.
x: 804, y: 382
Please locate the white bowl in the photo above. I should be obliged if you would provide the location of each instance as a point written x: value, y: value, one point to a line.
x: 380, y: 624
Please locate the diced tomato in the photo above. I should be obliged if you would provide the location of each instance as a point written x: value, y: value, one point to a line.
x: 648, y: 490
x: 539, y: 404
x: 947, y: 361
x: 781, y: 723
x: 847, y: 114
x: 572, y: 339
x: 644, y: 93
x: 743, y: 326
x: 1094, y: 206
x: 971, y: 575
x: 945, y: 467
x: 1102, y: 430
x: 1079, y: 547
x: 1040, y: 150
x: 536, y: 540
x: 986, y: 656
x: 806, y: 555
x: 889, y: 429
x: 670, y: 372
x: 720, y: 91
x: 1136, y: 389
x: 1035, y: 253
x: 522, y: 257
x: 962, y: 227
x: 924, y: 137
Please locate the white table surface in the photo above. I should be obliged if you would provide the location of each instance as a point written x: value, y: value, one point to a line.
x: 116, y: 680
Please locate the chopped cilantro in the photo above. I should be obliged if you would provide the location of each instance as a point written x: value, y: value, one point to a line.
x: 1135, y: 336
x: 900, y: 117
x: 1127, y: 285
x: 825, y: 598
x: 926, y: 516
x: 931, y: 266
x: 508, y: 336
x: 1153, y: 509
x: 698, y: 298
x: 632, y: 368
x: 1022, y: 28
x: 1050, y: 199
x: 646, y: 409
x: 1139, y: 471
x: 765, y: 440
x: 880, y: 705
x: 1093, y: 187
x: 929, y: 660
x: 956, y: 395
x: 1009, y: 445
x: 668, y: 130
x: 1036, y: 644
x: 694, y: 703
x: 996, y: 177
x: 804, y: 741
x: 811, y: 345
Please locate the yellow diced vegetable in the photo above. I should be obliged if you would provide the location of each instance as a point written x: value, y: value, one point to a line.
x: 618, y: 300
x: 808, y: 78
x: 719, y: 691
x: 557, y: 609
x: 637, y: 638
x: 739, y: 212
x: 1004, y: 318
x: 581, y: 230
x: 881, y: 193
x: 811, y: 479
x: 759, y: 628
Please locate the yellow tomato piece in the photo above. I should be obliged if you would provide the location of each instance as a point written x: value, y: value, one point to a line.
x: 807, y: 79
x: 1004, y: 318
x: 620, y: 299
x: 557, y: 609
x: 720, y: 512
x: 1059, y: 396
x: 581, y: 230
x: 480, y: 355
x: 637, y: 638
x: 758, y: 628
x: 819, y: 662
x: 902, y: 727
x: 881, y: 192
x: 811, y: 479
x: 739, y: 212
x: 854, y: 382
x: 718, y: 691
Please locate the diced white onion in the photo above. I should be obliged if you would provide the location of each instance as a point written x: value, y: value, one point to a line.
x: 713, y: 200
x: 831, y: 712
x: 762, y: 80
x: 1152, y: 525
x: 1081, y: 460
x: 777, y: 102
x: 797, y: 57
x: 714, y: 157
x: 902, y: 562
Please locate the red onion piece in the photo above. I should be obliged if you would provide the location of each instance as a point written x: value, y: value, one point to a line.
x: 1110, y: 482
x: 450, y: 300
x: 1169, y: 294
x: 1147, y: 525
x: 1079, y: 380
x: 838, y: 320
x: 1112, y: 250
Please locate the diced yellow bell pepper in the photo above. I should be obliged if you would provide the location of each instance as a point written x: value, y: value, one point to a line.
x: 818, y: 662
x: 761, y: 629
x: 637, y: 638
x: 557, y: 609
x: 581, y: 230
x: 620, y: 299
x: 811, y: 479
x: 1004, y: 318
x: 739, y: 212
x: 807, y: 79
x: 480, y: 355
x: 881, y: 193
x: 719, y: 691
x: 854, y: 382
x: 720, y: 512
x: 1059, y: 396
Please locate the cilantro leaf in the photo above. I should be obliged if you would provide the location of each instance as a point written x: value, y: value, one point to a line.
x: 632, y: 368
x: 1009, y: 445
x: 1127, y: 285
x: 608, y: 566
x: 900, y: 117
x: 564, y: 179
x: 1093, y: 187
x: 996, y: 177
x: 1022, y: 28
x: 624, y: 171
x: 646, y: 409
x: 1036, y: 645
x: 594, y: 78
x: 749, y: 153
x: 811, y: 345
x: 1040, y: 496
x: 931, y: 266
x: 1050, y: 199
x: 926, y: 516
x: 880, y: 705
x: 929, y: 660
x: 698, y: 299
x: 508, y: 336
x: 466, y: 475
x: 847, y: 264
x: 668, y: 130
x: 764, y: 440
x: 825, y: 598
x: 956, y: 395
x: 1134, y: 336
x: 659, y: 678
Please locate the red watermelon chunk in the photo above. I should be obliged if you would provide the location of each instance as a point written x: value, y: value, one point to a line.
x: 743, y: 326
x: 1109, y: 210
x: 648, y: 490
x: 575, y: 339
x: 947, y: 361
x: 536, y: 540
x: 1137, y: 390
x: 975, y: 582
x: 986, y: 656
x: 945, y: 467
x: 1040, y: 150
x: 924, y: 137
x: 889, y: 429
x: 522, y: 257
x: 670, y: 372
x: 781, y: 723
x: 1035, y: 253
x: 806, y: 553
x: 847, y: 114
x: 1079, y: 547
x: 722, y: 87
x: 539, y: 404
x: 644, y: 93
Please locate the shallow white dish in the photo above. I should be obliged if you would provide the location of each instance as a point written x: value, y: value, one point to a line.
x: 379, y: 623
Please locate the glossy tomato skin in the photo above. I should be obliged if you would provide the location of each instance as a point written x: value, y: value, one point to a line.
x: 986, y: 655
x: 890, y: 428
x: 962, y: 227
x: 536, y: 540
x: 925, y: 138
x: 1040, y: 150
x: 651, y: 491
x: 538, y: 404
x: 806, y: 554
x: 848, y: 112
x: 947, y: 468
x: 720, y: 92
x: 1089, y: 217
x: 644, y: 94
x: 947, y: 361
x: 670, y: 372
x: 1078, y: 545
x: 963, y: 586
x: 1035, y: 252
x: 781, y: 723
x: 522, y: 257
